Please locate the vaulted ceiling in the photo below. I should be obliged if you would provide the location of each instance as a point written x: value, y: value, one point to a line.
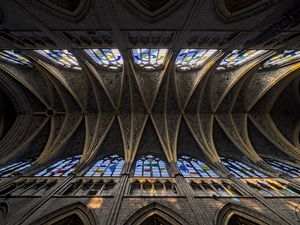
x: 55, y: 112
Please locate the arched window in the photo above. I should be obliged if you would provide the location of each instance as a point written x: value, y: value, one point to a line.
x: 15, y: 168
x: 241, y: 170
x: 150, y: 166
x: 282, y: 167
x: 238, y: 58
x: 150, y: 59
x: 12, y: 57
x: 61, y: 57
x: 193, y: 58
x: 287, y: 57
x: 191, y: 167
x: 108, y: 58
x: 108, y: 166
x: 62, y: 168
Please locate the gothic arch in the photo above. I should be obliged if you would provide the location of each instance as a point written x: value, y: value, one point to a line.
x: 230, y: 11
x: 74, y: 11
x: 77, y: 211
x: 155, y: 208
x: 229, y: 210
x: 152, y: 11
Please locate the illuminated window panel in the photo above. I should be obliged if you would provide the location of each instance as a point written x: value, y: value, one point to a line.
x: 239, y: 57
x: 108, y: 167
x: 287, y: 57
x: 190, y: 167
x: 14, y: 169
x: 285, y: 168
x: 150, y: 166
x: 61, y: 57
x: 241, y: 170
x: 108, y: 58
x: 193, y: 58
x: 61, y: 168
x: 271, y: 187
x: 12, y: 57
x: 150, y: 59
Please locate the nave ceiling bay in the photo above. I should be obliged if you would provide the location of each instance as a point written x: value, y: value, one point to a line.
x: 244, y: 104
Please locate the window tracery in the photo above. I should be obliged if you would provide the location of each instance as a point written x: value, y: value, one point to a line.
x: 213, y: 188
x: 61, y: 168
x: 189, y: 59
x: 239, y: 57
x: 29, y: 187
x: 12, y: 57
x: 191, y: 167
x: 152, y: 187
x: 15, y: 168
x: 107, y: 58
x: 241, y: 170
x: 150, y: 58
x: 283, y: 167
x: 150, y: 166
x: 93, y: 187
x: 287, y: 57
x: 60, y: 57
x: 272, y: 187
x: 108, y: 166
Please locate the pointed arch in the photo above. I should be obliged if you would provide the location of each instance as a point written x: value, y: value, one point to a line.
x: 168, y: 215
x: 74, y: 11
x: 225, y: 214
x: 77, y: 212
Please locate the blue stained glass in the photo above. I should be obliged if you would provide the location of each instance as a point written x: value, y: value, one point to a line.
x: 61, y: 57
x: 241, y: 170
x: 15, y: 168
x: 282, y: 167
x: 150, y: 166
x: 150, y: 59
x: 239, y: 57
x: 190, y: 167
x: 108, y: 58
x: 61, y: 168
x: 110, y: 166
x: 189, y: 59
x: 12, y: 57
x: 287, y: 57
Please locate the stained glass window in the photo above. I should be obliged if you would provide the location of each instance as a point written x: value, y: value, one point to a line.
x: 12, y: 57
x: 282, y: 167
x: 61, y: 168
x: 193, y: 58
x: 288, y: 56
x: 150, y: 58
x: 109, y: 58
x: 241, y: 170
x: 190, y: 167
x: 238, y: 58
x: 150, y: 166
x: 272, y: 187
x: 108, y: 166
x: 61, y: 57
x: 14, y: 169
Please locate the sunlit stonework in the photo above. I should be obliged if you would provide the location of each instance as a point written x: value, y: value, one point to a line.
x: 146, y: 112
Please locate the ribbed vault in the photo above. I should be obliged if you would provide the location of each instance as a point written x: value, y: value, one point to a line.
x: 93, y: 112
